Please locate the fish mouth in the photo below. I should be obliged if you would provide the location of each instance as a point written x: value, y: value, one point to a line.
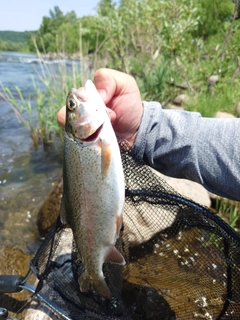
x: 93, y: 136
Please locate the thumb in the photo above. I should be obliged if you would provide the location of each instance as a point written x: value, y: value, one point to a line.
x: 105, y: 83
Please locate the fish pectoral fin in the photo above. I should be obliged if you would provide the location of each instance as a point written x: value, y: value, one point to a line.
x: 115, y: 256
x: 96, y: 285
x: 118, y: 225
x: 106, y: 157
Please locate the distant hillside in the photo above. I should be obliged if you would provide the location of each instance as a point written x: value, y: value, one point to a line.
x: 15, y: 36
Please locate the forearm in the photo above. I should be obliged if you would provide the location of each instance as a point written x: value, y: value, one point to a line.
x: 185, y: 145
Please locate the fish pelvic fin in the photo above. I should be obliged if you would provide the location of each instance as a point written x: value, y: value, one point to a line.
x: 96, y: 285
x: 115, y: 256
x: 106, y: 157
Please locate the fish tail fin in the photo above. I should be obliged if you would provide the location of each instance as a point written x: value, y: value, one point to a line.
x: 97, y: 285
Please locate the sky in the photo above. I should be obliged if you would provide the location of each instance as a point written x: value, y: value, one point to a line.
x: 26, y: 15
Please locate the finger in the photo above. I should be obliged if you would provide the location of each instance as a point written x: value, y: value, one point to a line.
x: 112, y: 83
x: 112, y: 115
x: 61, y: 116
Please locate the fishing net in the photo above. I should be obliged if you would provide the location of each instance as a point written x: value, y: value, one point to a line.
x: 183, y: 261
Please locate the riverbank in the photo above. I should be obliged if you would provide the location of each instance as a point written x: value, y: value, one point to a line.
x: 60, y: 55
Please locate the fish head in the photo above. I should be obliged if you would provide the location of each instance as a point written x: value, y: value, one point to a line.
x: 85, y: 113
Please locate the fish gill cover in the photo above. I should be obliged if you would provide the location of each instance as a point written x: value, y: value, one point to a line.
x: 183, y: 261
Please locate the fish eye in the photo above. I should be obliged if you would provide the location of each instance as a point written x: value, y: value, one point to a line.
x: 71, y: 104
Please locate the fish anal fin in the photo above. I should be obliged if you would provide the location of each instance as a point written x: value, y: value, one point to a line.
x: 115, y: 256
x: 106, y: 157
x: 95, y: 285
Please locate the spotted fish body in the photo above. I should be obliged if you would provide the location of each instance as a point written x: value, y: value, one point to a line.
x: 93, y: 196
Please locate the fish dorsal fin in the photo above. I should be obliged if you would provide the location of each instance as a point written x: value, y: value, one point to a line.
x: 115, y: 256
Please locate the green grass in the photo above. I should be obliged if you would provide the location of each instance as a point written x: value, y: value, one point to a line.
x: 225, y: 99
x: 229, y: 211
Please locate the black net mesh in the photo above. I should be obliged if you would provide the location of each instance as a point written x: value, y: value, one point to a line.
x: 183, y: 261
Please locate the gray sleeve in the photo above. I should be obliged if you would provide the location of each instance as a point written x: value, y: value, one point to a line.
x: 183, y: 144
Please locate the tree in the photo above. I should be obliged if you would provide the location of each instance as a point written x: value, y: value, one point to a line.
x: 56, y: 13
x: 105, y: 7
x: 141, y: 30
x: 213, y: 13
x: 58, y: 33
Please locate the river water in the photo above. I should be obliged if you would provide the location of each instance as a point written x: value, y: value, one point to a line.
x: 26, y: 174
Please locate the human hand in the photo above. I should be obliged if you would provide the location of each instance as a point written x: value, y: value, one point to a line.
x: 122, y: 97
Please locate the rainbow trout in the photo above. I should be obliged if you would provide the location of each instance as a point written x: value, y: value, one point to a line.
x: 93, y: 196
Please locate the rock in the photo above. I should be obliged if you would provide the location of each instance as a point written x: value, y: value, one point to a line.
x: 238, y: 109
x: 139, y: 226
x: 189, y: 189
x: 220, y: 114
x: 212, y: 80
x: 14, y: 262
x: 140, y: 230
x: 178, y: 100
x: 49, y: 211
x: 38, y: 310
